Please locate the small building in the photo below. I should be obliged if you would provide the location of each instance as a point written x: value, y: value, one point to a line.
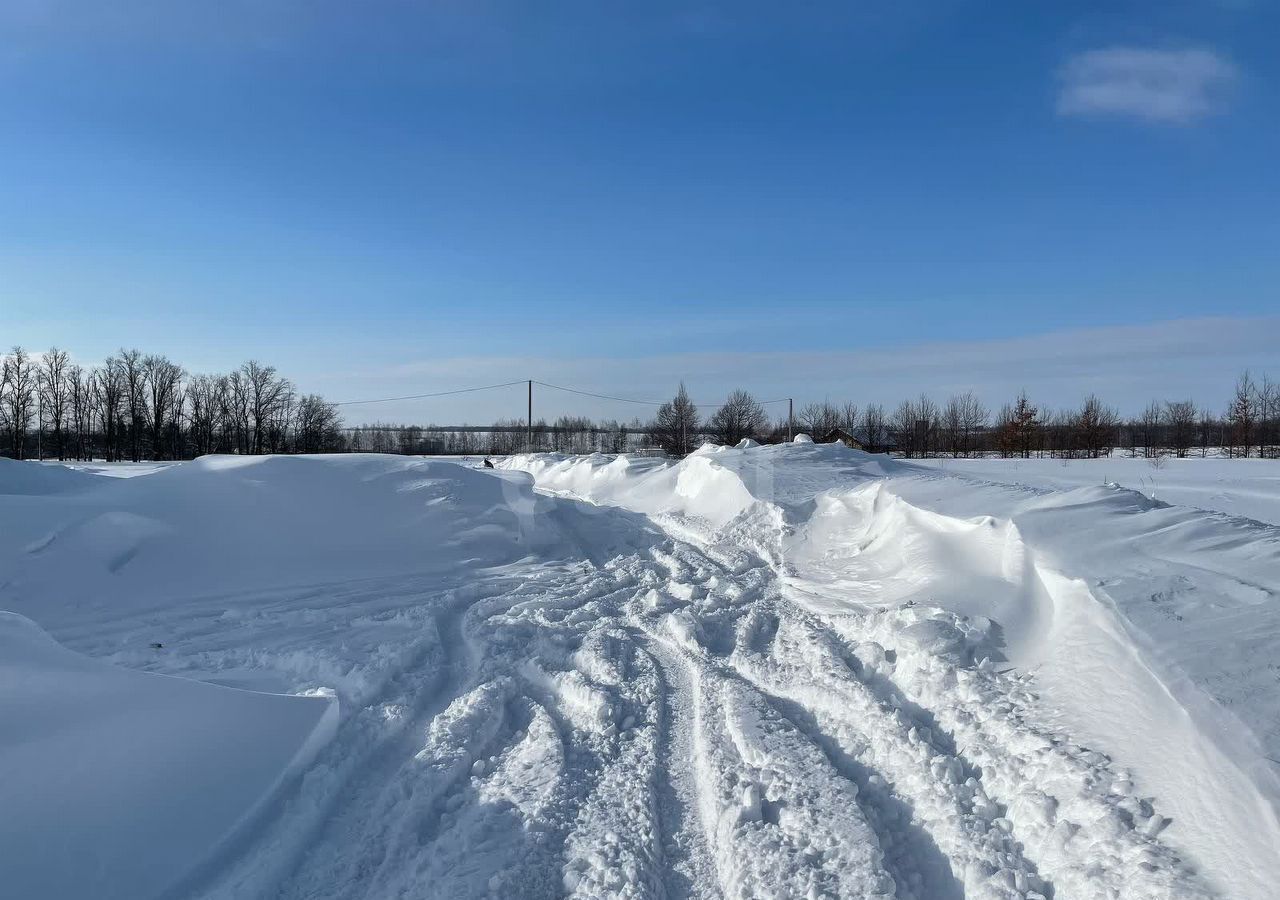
x: 844, y: 437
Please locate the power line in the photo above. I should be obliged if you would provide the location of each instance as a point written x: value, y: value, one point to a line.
x: 600, y: 396
x: 557, y: 387
x: 488, y: 387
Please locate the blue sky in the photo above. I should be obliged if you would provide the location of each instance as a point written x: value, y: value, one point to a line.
x: 398, y: 197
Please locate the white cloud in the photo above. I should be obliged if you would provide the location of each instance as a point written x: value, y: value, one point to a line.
x: 1171, y: 86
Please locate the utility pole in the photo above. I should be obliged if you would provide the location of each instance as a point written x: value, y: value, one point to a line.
x: 528, y: 437
x: 791, y: 419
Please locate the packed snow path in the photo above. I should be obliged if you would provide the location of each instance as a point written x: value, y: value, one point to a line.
x: 663, y: 713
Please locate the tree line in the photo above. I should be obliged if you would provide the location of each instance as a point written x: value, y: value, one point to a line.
x: 146, y: 406
x: 963, y: 426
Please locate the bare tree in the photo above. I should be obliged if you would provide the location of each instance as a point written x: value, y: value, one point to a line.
x: 203, y: 408
x: 959, y: 422
x: 1207, y: 425
x: 1180, y: 419
x: 928, y: 417
x: 265, y: 394
x: 135, y: 399
x: 1268, y: 402
x: 55, y: 394
x: 739, y: 417
x: 235, y: 412
x: 973, y: 418
x: 675, y: 428
x: 163, y: 380
x: 915, y: 426
x: 849, y: 417
x: 109, y: 392
x: 952, y: 429
x: 875, y: 430
x: 81, y: 410
x: 1148, y: 428
x: 902, y: 425
x: 819, y: 420
x: 1242, y: 414
x: 1095, y: 426
x: 572, y: 434
x: 18, y: 389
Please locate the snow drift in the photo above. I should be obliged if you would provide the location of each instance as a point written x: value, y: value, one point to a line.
x: 1151, y: 628
x: 796, y: 670
x: 116, y: 783
x: 76, y: 544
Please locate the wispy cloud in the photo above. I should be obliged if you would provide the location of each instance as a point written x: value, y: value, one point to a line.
x: 1168, y: 86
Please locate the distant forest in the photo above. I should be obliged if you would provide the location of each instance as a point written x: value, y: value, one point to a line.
x: 136, y: 406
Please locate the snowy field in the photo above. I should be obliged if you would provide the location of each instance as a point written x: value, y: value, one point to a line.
x: 1239, y: 487
x: 794, y: 671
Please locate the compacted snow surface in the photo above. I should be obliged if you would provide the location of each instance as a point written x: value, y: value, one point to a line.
x: 793, y: 671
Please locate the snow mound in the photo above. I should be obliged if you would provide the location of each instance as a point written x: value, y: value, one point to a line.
x: 1146, y: 629
x: 746, y: 444
x: 697, y: 486
x: 23, y: 477
x: 802, y: 438
x: 223, y: 524
x: 117, y: 783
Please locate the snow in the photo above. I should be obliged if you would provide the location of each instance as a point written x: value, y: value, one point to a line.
x: 226, y: 524
x: 796, y: 670
x: 1239, y: 487
x: 116, y: 783
x: 1149, y: 628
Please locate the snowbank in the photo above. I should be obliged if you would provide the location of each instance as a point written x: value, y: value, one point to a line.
x: 798, y: 669
x: 116, y: 783
x: 1151, y: 628
x: 24, y: 477
x: 75, y: 543
x: 121, y: 783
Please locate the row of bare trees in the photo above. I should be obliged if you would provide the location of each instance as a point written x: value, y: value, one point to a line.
x: 567, y: 434
x: 964, y: 426
x: 921, y: 427
x: 145, y: 406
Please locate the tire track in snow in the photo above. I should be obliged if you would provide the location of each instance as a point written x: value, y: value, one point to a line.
x: 920, y: 870
x: 1117, y: 853
x: 614, y: 850
x: 689, y: 873
x: 654, y: 725
x: 885, y: 745
x: 334, y: 805
x: 803, y: 669
x: 1091, y: 831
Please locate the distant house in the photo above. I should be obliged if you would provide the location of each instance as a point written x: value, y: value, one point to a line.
x: 844, y: 437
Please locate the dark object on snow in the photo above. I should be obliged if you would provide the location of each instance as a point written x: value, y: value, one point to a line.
x: 488, y: 463
x: 157, y: 646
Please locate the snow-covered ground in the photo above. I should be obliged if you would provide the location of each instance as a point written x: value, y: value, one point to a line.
x: 1239, y: 487
x: 793, y: 671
